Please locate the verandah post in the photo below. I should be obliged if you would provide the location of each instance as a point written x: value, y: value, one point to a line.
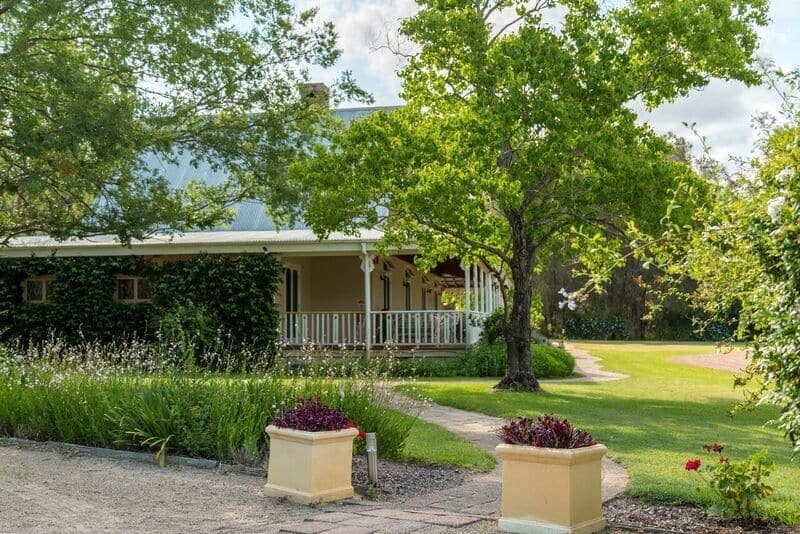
x: 468, y: 301
x: 367, y: 266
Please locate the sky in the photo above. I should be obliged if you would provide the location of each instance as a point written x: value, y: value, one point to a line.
x: 722, y: 111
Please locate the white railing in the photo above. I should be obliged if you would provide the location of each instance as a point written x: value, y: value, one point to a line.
x: 323, y: 328
x: 420, y: 328
x: 423, y: 328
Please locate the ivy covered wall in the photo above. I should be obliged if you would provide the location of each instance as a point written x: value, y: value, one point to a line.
x: 232, y: 295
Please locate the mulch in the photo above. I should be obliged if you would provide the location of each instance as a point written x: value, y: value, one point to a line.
x: 396, y: 480
x: 628, y: 515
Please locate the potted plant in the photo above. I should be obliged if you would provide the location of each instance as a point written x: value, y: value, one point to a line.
x: 551, y: 477
x: 311, y: 454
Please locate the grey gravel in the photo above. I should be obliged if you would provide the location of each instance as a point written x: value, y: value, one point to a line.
x: 626, y: 514
x: 396, y: 480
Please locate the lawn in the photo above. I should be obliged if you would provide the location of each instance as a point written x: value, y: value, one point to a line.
x: 651, y: 422
x: 433, y: 444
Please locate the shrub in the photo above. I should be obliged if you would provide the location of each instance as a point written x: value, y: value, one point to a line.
x: 739, y: 485
x: 484, y: 360
x: 546, y: 431
x: 494, y: 326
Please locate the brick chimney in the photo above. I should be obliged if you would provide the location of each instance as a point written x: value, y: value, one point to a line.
x: 316, y: 93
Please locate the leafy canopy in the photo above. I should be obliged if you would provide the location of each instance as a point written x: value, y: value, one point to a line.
x: 90, y: 86
x: 530, y: 128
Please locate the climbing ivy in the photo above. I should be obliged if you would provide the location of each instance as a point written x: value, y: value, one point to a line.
x: 234, y: 294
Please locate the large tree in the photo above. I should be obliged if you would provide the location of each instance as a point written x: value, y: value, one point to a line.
x: 89, y: 87
x: 516, y: 132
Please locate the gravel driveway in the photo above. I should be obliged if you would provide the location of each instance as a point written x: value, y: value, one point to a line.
x: 47, y: 490
x: 50, y: 491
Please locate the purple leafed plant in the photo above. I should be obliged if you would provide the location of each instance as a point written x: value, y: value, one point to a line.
x: 312, y: 416
x: 547, y: 431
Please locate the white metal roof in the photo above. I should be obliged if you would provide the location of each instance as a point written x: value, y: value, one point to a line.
x: 291, y: 242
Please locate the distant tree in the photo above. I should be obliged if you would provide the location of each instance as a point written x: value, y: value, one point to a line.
x: 90, y: 86
x: 516, y: 133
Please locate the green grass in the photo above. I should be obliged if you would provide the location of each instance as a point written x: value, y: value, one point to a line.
x: 433, y: 444
x: 651, y: 422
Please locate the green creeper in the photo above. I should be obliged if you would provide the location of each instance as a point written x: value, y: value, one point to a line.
x: 87, y: 87
x: 515, y: 134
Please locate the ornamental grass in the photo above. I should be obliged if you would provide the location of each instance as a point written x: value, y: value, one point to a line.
x: 135, y: 397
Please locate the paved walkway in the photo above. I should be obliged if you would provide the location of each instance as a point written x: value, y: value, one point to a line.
x: 589, y: 367
x: 474, y: 505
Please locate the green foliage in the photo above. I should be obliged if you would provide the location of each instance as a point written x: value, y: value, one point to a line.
x: 70, y: 395
x: 488, y: 360
x: 512, y: 139
x: 580, y: 326
x: 89, y: 90
x: 82, y: 303
x: 740, y: 485
x: 195, y: 303
x: 494, y: 326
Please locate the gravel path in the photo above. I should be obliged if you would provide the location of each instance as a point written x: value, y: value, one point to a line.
x: 725, y: 361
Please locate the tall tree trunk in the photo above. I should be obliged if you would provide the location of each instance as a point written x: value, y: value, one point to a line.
x: 519, y: 375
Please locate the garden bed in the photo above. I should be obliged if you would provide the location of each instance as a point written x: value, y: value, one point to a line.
x: 403, y: 480
x: 626, y: 514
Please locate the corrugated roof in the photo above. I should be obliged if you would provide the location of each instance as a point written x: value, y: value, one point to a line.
x: 249, y: 215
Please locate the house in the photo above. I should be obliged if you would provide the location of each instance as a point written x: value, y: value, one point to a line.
x: 338, y: 291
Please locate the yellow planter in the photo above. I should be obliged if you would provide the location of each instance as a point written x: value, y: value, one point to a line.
x: 310, y: 467
x: 552, y: 491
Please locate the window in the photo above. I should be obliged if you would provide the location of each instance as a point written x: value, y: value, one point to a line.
x: 37, y: 289
x: 133, y: 289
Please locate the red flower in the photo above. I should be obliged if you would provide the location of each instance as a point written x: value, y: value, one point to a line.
x: 362, y: 434
x: 350, y: 424
x: 692, y: 465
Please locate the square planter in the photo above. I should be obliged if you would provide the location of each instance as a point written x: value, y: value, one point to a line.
x: 310, y: 467
x: 551, y: 491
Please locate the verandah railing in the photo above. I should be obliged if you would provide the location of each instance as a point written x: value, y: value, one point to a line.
x: 416, y: 328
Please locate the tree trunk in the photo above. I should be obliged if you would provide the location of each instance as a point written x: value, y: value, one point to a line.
x: 519, y: 375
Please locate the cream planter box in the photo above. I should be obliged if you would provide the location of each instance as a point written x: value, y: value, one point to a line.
x: 310, y: 467
x: 551, y: 491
